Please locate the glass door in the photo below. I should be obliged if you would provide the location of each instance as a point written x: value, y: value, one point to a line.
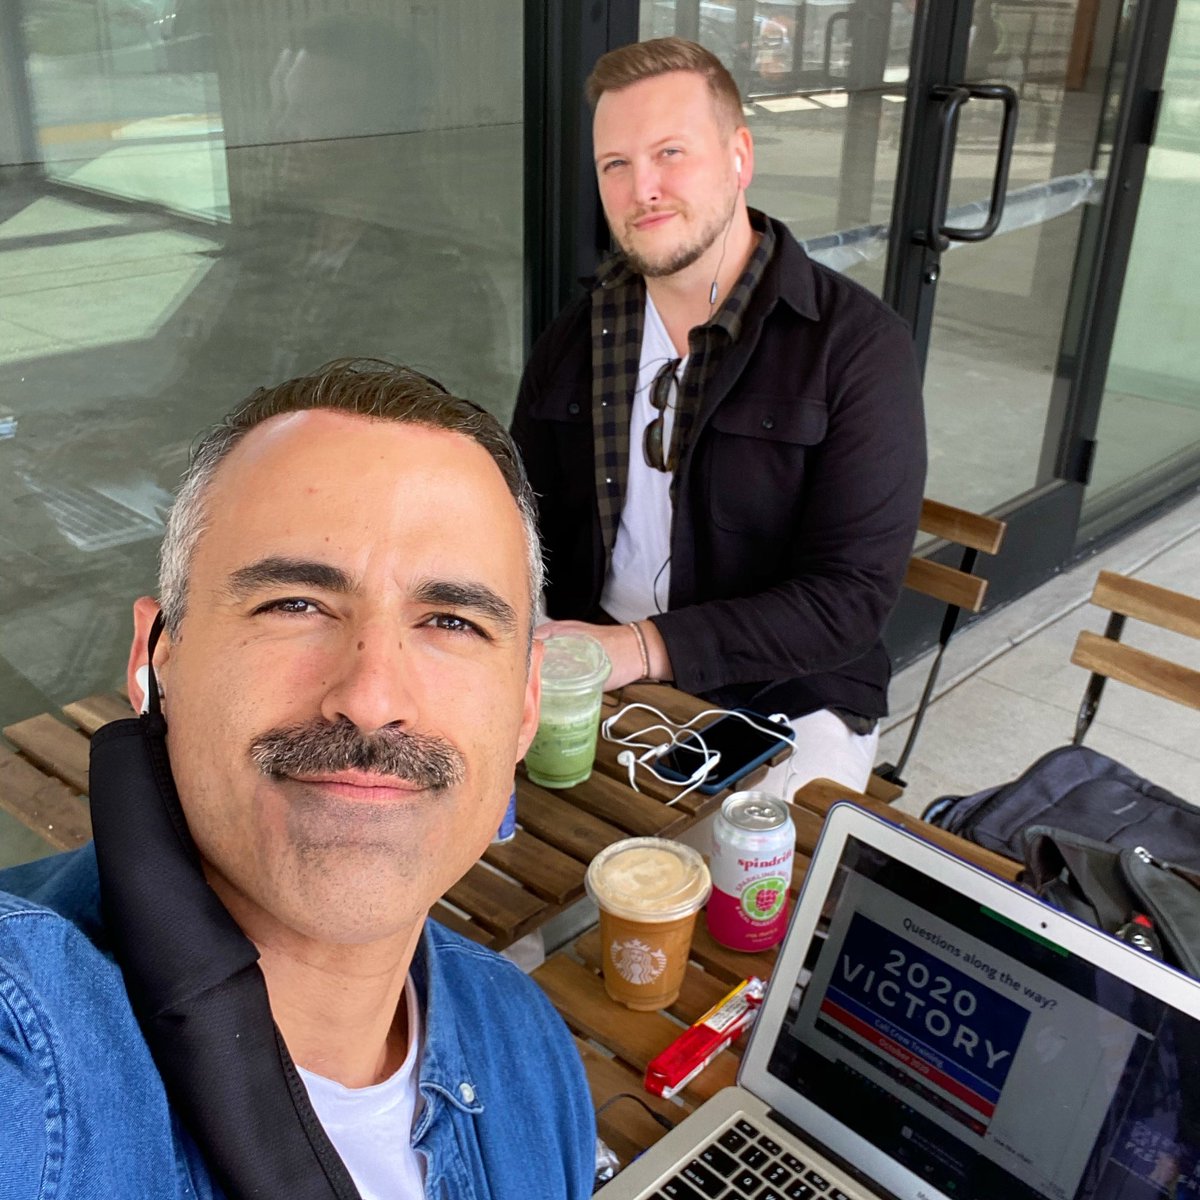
x: 1008, y: 238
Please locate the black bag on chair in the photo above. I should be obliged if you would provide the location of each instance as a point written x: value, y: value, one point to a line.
x: 1127, y: 892
x: 1077, y: 789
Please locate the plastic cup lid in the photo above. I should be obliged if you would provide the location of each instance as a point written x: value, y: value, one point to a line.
x: 574, y: 662
x: 648, y: 879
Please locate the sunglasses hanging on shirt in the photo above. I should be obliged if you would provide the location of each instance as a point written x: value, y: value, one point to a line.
x: 658, y: 456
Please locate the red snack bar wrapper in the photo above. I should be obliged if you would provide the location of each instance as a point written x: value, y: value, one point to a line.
x: 698, y: 1045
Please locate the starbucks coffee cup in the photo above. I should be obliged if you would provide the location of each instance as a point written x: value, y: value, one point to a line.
x: 648, y: 891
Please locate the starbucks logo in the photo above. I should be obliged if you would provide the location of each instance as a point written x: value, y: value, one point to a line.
x: 636, y: 963
x: 763, y: 899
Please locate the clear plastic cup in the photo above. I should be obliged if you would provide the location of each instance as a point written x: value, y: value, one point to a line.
x: 574, y: 671
x: 649, y: 891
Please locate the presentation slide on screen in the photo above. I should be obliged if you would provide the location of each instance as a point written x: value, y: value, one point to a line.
x: 999, y: 1056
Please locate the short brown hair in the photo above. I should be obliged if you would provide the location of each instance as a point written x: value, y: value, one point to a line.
x: 365, y: 387
x: 644, y: 60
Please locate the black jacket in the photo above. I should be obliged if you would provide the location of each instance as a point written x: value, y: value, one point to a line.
x: 797, y: 499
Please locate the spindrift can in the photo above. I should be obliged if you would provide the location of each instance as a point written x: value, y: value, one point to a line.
x: 753, y: 844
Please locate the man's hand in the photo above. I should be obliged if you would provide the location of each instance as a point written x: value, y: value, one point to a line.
x: 621, y: 645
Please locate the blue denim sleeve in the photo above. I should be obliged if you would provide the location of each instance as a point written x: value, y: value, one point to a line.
x: 83, y: 1113
x: 30, y: 1097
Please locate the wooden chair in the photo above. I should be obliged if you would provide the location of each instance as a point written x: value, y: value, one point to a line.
x: 1107, y: 658
x: 959, y: 589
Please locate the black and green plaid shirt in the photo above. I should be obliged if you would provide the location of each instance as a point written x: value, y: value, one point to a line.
x: 618, y: 314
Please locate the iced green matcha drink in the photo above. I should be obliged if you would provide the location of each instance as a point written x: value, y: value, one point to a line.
x: 574, y: 670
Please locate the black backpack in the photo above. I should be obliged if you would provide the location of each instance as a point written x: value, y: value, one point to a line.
x: 1099, y: 842
x: 1079, y: 789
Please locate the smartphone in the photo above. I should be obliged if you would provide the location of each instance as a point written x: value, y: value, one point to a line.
x: 742, y: 747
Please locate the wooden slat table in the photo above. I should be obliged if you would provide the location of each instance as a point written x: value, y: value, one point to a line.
x: 617, y: 1043
x: 515, y: 890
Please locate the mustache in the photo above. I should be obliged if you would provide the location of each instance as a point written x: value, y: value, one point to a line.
x: 323, y: 747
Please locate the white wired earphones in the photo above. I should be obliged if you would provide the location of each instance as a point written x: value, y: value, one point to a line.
x: 651, y: 752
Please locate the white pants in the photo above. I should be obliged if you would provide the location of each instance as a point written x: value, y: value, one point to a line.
x: 825, y: 749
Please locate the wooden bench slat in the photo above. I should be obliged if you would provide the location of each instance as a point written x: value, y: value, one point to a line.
x: 808, y: 829
x: 548, y: 872
x: 53, y: 746
x: 625, y: 1126
x: 552, y: 819
x: 445, y: 915
x: 93, y: 712
x: 496, y: 903
x: 1148, y: 602
x: 819, y: 796
x: 883, y: 789
x: 959, y: 525
x: 1159, y: 676
x: 947, y: 584
x: 729, y: 966
x: 679, y: 706
x: 47, y: 806
x: 637, y: 814
x: 635, y: 1037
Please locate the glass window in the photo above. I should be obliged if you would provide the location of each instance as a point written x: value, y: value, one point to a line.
x: 1150, y: 418
x: 200, y: 198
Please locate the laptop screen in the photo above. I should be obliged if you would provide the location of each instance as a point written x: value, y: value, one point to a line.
x: 983, y: 1058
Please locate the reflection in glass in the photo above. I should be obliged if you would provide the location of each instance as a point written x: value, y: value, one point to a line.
x: 1151, y: 409
x: 195, y: 199
x: 1001, y: 304
x: 823, y: 83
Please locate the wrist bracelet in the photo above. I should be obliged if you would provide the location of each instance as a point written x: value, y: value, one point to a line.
x: 645, y: 653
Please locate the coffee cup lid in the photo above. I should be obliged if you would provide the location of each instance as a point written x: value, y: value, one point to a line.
x: 648, y: 879
x: 574, y: 662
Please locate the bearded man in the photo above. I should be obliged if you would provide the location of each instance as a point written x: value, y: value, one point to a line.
x: 726, y: 438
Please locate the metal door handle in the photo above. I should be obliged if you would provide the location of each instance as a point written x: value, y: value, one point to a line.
x: 953, y: 97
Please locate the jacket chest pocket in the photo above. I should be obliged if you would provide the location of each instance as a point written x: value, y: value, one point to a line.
x: 759, y: 448
x: 566, y: 415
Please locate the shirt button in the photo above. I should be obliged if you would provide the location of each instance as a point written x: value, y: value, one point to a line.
x: 604, y: 332
x: 609, y: 480
x: 467, y: 1092
x: 768, y: 423
x: 573, y: 409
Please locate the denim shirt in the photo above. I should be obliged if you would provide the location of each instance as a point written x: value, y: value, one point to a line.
x: 84, y: 1114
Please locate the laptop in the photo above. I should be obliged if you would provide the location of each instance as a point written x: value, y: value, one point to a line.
x: 930, y: 1032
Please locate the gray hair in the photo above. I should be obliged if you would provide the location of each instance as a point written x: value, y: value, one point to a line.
x: 366, y: 387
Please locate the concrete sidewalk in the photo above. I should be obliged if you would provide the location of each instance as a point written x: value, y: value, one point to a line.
x: 1008, y: 691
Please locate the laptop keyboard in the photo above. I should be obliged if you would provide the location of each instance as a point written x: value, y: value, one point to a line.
x: 742, y: 1161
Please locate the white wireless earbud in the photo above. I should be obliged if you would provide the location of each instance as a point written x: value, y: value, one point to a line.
x: 737, y: 163
x: 142, y: 675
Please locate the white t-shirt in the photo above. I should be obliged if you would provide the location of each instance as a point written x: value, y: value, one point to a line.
x: 371, y: 1127
x: 639, y: 576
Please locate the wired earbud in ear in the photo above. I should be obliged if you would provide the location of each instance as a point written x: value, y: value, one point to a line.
x: 142, y: 677
x: 737, y: 164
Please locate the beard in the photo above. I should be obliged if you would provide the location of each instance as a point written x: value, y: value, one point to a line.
x: 680, y: 257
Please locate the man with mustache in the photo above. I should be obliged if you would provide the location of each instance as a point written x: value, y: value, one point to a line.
x: 235, y: 990
x: 726, y: 438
